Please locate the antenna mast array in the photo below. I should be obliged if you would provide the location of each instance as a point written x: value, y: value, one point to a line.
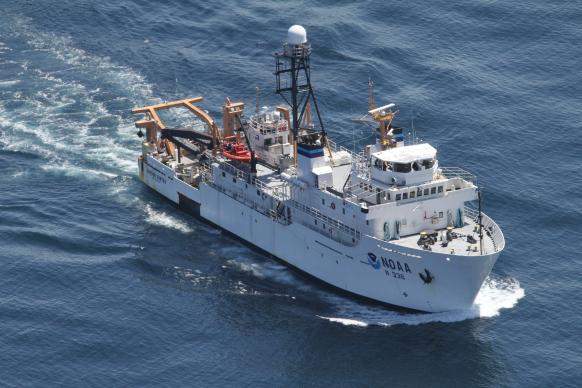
x: 294, y: 62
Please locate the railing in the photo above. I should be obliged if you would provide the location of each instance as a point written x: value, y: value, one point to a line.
x: 472, y: 214
x: 272, y: 213
x: 329, y: 223
x: 490, y: 228
x: 232, y: 170
x: 268, y: 127
x: 279, y: 191
x: 457, y: 172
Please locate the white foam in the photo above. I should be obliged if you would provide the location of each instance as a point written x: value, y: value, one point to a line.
x: 161, y: 218
x: 46, y: 113
x: 345, y: 321
x: 495, y: 295
x: 72, y: 170
x: 8, y: 83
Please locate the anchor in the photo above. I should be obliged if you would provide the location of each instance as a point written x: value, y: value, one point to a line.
x: 426, y: 278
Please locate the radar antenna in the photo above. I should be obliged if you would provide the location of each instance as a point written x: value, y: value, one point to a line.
x: 380, y: 118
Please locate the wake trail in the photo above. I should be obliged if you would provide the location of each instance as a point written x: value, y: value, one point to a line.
x: 56, y: 102
x: 495, y: 295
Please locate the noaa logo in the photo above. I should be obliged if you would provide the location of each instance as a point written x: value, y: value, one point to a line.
x: 373, y: 260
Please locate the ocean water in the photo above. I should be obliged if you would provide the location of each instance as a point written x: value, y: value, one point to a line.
x: 104, y: 283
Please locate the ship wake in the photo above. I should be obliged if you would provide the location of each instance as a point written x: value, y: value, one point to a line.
x: 495, y: 295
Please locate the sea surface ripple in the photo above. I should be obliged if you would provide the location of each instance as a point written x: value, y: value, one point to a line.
x: 104, y: 283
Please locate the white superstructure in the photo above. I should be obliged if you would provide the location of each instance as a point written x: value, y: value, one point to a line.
x: 389, y: 224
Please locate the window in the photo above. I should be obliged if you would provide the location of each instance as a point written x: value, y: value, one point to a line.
x: 404, y: 195
x: 259, y: 193
x: 402, y: 167
x: 367, y: 222
x: 425, y: 191
x: 412, y: 194
x: 233, y: 180
x: 419, y: 193
x: 440, y: 189
x: 398, y: 197
x: 433, y: 190
x: 343, y: 211
x: 440, y: 214
x: 323, y: 201
x: 223, y: 174
x: 377, y: 164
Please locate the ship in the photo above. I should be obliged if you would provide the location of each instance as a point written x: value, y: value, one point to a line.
x: 388, y: 223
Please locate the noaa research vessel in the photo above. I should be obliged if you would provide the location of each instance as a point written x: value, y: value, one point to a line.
x: 388, y: 224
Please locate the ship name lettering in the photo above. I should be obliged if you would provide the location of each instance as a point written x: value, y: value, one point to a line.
x: 156, y: 177
x: 395, y: 264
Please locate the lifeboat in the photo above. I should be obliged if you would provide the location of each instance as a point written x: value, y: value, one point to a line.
x: 236, y: 151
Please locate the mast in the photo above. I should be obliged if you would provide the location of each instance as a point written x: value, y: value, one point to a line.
x: 294, y: 60
x: 480, y: 223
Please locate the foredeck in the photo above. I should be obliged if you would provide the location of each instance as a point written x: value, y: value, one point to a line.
x: 459, y: 245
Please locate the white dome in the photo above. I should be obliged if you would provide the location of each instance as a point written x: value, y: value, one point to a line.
x: 296, y: 35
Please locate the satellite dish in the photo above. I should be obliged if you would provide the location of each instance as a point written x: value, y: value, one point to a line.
x: 296, y: 35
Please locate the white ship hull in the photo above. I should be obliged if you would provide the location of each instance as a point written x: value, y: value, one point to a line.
x: 394, y: 277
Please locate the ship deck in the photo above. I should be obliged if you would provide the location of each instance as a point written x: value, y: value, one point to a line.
x: 458, y: 246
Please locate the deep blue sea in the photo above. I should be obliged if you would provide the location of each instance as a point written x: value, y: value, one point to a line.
x: 104, y: 283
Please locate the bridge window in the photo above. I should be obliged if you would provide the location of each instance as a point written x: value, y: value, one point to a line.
x: 412, y: 194
x: 440, y: 189
x: 378, y: 163
x: 398, y: 196
x: 419, y: 193
x: 425, y: 191
x: 404, y: 195
x: 402, y: 167
x: 433, y: 190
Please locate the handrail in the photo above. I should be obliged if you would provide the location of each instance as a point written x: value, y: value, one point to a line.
x: 490, y: 228
x: 457, y: 172
x: 356, y: 158
x: 331, y: 222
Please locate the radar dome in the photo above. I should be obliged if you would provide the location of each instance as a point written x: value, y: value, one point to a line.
x: 296, y: 35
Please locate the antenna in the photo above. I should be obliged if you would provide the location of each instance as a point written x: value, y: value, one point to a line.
x: 413, y: 132
x: 371, y: 102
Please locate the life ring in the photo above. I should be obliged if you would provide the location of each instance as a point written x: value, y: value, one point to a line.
x: 332, y: 205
